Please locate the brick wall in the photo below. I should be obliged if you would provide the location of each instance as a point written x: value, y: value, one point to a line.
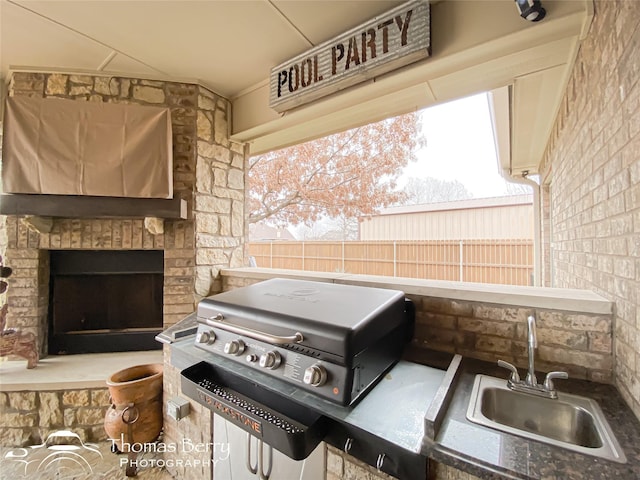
x: 545, y: 235
x: 592, y: 166
x: 575, y: 342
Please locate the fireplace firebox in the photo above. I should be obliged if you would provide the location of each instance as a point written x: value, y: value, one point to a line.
x: 105, y: 301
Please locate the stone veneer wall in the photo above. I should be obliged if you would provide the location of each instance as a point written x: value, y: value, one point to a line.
x: 341, y: 466
x: 26, y: 418
x: 208, y: 173
x: 579, y: 343
x: 215, y: 228
x: 439, y: 471
x: 592, y: 167
x: 195, y: 428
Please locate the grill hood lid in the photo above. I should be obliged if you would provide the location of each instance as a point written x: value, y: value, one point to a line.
x: 335, y: 320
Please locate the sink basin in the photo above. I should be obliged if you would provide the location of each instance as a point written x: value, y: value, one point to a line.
x: 570, y: 421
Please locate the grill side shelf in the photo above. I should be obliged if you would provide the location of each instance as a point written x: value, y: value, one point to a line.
x: 297, y: 440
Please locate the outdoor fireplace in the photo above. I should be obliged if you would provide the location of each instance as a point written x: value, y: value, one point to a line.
x: 105, y: 301
x: 192, y: 244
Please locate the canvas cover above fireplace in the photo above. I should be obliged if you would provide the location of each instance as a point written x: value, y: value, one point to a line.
x: 63, y: 147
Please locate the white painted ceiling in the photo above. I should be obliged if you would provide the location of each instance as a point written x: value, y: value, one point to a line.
x: 229, y: 46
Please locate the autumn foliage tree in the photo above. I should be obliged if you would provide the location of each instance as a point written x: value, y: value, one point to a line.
x: 350, y: 173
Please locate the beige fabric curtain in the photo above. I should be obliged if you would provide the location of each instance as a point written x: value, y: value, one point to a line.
x: 67, y: 147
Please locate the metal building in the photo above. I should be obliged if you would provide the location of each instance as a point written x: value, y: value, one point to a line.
x: 485, y: 218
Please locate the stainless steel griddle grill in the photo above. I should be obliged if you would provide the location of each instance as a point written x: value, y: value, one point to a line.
x: 326, y: 341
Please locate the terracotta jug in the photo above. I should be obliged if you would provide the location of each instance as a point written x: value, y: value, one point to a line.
x: 136, y: 406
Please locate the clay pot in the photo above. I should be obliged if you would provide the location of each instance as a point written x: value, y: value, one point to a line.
x: 141, y: 386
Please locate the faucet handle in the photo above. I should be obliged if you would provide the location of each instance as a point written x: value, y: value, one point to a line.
x: 515, y: 376
x: 548, y: 381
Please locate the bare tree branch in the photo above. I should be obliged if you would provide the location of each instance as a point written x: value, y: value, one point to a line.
x: 349, y: 173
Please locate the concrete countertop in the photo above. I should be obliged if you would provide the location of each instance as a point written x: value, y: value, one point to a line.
x: 565, y: 299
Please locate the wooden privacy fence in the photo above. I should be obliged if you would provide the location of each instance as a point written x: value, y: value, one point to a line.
x: 508, y: 262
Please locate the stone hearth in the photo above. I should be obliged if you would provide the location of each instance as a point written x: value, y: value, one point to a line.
x: 63, y: 392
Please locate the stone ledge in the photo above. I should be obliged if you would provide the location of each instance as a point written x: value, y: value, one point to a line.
x: 68, y: 372
x: 570, y: 300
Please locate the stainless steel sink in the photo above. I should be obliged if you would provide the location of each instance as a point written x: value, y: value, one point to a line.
x: 570, y: 421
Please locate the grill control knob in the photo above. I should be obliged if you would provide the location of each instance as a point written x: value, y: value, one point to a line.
x: 270, y: 360
x: 315, y: 376
x: 206, y: 338
x: 234, y: 347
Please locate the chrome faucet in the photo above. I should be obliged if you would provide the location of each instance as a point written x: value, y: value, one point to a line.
x: 532, y: 343
x: 530, y: 383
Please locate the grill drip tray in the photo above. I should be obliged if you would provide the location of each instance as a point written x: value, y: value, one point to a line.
x: 296, y: 434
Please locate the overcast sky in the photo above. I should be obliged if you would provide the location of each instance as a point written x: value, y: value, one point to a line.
x: 460, y: 146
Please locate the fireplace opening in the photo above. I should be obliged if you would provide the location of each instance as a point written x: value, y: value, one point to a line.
x: 105, y: 301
